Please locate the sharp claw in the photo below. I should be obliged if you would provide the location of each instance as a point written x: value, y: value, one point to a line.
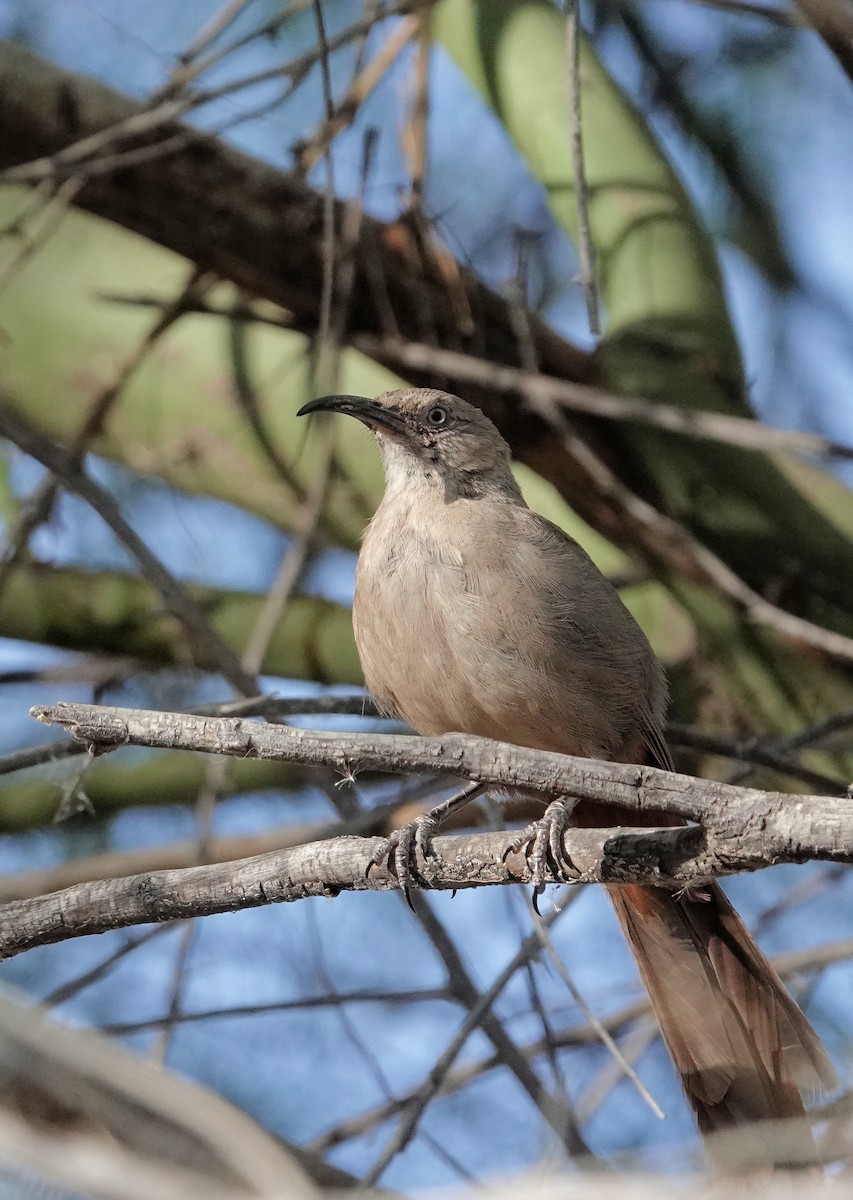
x: 400, y: 852
x: 543, y: 840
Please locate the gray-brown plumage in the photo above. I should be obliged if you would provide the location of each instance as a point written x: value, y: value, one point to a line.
x: 474, y: 614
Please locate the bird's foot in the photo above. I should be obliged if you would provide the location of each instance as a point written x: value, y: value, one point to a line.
x: 402, y: 849
x: 544, y: 842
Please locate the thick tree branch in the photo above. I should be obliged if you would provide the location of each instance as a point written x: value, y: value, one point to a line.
x: 740, y: 829
x: 243, y: 219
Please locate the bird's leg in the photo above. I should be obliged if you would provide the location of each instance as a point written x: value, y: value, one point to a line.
x: 401, y: 848
x: 544, y: 838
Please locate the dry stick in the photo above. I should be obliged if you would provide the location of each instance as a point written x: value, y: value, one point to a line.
x: 752, y: 752
x: 744, y: 829
x: 305, y: 1004
x: 72, y: 987
x: 804, y: 738
x: 818, y: 730
x: 415, y: 145
x: 586, y: 247
x: 246, y: 396
x: 327, y: 295
x: 530, y: 385
x: 214, y: 28
x: 480, y: 1006
x: 378, y: 821
x: 192, y: 65
x: 174, y: 595
x: 667, y: 542
x: 257, y: 706
x: 113, y: 864
x: 368, y: 1055
x: 660, y: 857
x: 702, y: 424
x: 37, y: 509
x: 150, y: 120
x: 34, y: 235
x: 313, y: 149
x: 813, y: 826
x: 519, y: 313
x: 787, y: 964
x: 636, y: 1042
x: 620, y: 1062
x: 577, y: 397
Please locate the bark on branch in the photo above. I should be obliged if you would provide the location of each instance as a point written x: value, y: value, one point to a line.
x: 244, y: 220
x: 737, y: 830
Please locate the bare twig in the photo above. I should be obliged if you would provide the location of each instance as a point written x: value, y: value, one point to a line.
x: 753, y: 752
x: 175, y: 596
x: 479, y: 1005
x: 672, y: 545
x: 310, y: 151
x: 742, y: 829
x: 375, y: 822
x: 38, y: 508
x: 586, y: 246
x: 577, y: 397
x: 326, y: 999
x: 415, y: 131
x: 788, y: 964
x: 36, y: 232
x: 820, y: 819
x: 148, y: 123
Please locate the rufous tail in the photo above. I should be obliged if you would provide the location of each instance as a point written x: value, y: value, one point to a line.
x: 740, y: 1044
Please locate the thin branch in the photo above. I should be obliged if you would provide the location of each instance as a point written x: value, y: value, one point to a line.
x: 640, y: 788
x: 667, y: 542
x: 762, y: 751
x: 577, y: 397
x: 21, y: 885
x: 586, y: 246
x: 175, y: 596
x: 787, y: 964
x: 751, y: 751
x: 38, y: 507
x: 148, y: 123
x: 306, y: 1003
x: 743, y: 829
x: 313, y: 148
x: 480, y: 1007
x: 414, y: 132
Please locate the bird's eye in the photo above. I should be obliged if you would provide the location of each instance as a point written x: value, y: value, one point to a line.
x: 437, y: 416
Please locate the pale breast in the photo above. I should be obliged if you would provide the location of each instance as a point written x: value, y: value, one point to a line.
x: 483, y: 621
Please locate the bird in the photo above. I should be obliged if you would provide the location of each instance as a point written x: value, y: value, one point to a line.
x: 473, y: 614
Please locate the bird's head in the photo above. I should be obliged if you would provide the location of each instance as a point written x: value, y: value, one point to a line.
x: 422, y: 431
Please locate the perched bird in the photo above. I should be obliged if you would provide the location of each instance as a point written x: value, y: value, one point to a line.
x: 474, y: 614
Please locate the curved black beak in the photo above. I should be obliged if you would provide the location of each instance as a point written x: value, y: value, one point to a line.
x: 369, y: 412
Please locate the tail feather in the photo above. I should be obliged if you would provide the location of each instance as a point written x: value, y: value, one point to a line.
x: 742, y: 1047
